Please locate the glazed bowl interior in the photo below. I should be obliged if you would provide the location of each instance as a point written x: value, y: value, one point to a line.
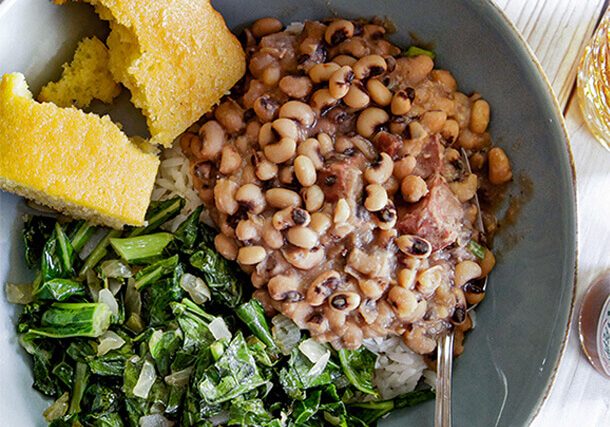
x: 512, y: 354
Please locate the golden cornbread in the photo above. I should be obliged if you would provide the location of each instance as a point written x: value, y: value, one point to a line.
x: 177, y: 58
x: 80, y: 164
x: 85, y: 78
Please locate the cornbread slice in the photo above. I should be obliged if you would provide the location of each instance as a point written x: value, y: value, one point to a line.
x: 80, y: 164
x: 178, y: 58
x: 85, y: 78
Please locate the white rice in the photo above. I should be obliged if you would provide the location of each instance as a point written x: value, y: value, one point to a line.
x: 397, y: 369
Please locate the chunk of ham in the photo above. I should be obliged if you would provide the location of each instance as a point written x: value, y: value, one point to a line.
x: 430, y: 158
x: 438, y: 217
x: 341, y: 179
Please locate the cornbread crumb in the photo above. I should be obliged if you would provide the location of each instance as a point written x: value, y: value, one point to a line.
x: 178, y: 59
x: 85, y: 78
x: 80, y: 164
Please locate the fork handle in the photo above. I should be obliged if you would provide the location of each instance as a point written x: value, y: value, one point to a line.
x: 442, y: 413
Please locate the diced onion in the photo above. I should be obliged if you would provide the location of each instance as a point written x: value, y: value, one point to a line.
x: 19, y: 293
x: 133, y: 299
x: 312, y: 349
x: 320, y: 365
x: 58, y: 408
x: 105, y: 296
x: 94, y: 284
x: 109, y: 341
x: 219, y: 329
x: 179, y: 378
x: 114, y: 285
x: 155, y: 420
x: 115, y: 269
x: 196, y: 288
x: 286, y: 333
x: 220, y: 418
x: 145, y: 380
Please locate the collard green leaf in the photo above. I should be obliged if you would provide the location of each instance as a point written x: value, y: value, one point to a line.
x: 248, y: 413
x: 60, y: 289
x: 359, y: 367
x: 36, y: 231
x: 221, y: 276
x: 253, y: 315
x: 187, y: 233
x: 57, y: 256
x: 159, y: 213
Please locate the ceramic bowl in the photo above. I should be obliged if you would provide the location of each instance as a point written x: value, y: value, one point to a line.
x: 512, y: 354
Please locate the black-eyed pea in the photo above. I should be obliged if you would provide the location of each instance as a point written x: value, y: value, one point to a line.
x: 500, y: 171
x: 338, y: 31
x: 281, y: 198
x: 365, y: 146
x: 402, y: 301
x: 466, y: 189
x: 406, y: 278
x: 487, y: 263
x: 231, y: 116
x: 342, y: 212
x: 271, y: 74
x: 322, y: 287
x: 386, y: 218
x: 450, y: 131
x: 320, y: 223
x: 317, y: 324
x: 370, y: 120
x: 266, y: 135
x: 320, y: 73
x: 295, y: 86
x: 414, y: 246
x: 257, y: 280
x: 281, y: 151
x: 473, y: 141
x: 352, y: 337
x: 251, y: 197
x: 336, y: 320
x: 285, y: 128
x: 314, y: 198
x: 376, y: 197
x: 322, y: 100
x: 213, y: 139
x: 304, y: 259
x: 418, y: 341
x: 413, y: 188
x: 311, y: 148
x: 445, y: 78
x: 298, y: 111
x: 247, y: 230
x: 357, y: 97
x: 381, y: 170
x: 429, y: 279
x: 265, y: 107
x: 466, y: 271
x: 326, y: 143
x: 305, y: 171
x: 230, y: 160
x: 286, y: 175
x: 369, y: 66
x: 404, y: 167
x: 372, y: 289
x: 226, y: 246
x: 417, y: 131
x: 474, y: 292
x: 284, y: 288
x: 391, y: 186
x: 251, y: 255
x: 477, y: 160
x: 264, y: 169
x: 345, y: 302
x: 434, y: 120
x: 265, y: 26
x: 401, y: 104
x: 303, y: 237
x: 479, y: 116
x: 272, y: 237
x: 340, y: 82
x: 379, y: 93
x: 224, y: 196
x: 344, y: 60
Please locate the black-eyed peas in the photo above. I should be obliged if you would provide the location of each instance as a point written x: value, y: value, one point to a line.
x: 305, y: 171
x: 265, y: 26
x: 413, y: 188
x: 381, y: 170
x: 338, y: 31
x: 371, y: 120
x: 334, y: 175
x: 376, y: 197
x: 369, y: 66
x: 298, y: 111
x: 500, y: 170
x: 379, y: 93
x: 281, y: 198
x: 251, y: 255
x: 281, y: 151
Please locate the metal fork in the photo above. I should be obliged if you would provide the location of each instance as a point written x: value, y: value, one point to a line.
x: 444, y: 361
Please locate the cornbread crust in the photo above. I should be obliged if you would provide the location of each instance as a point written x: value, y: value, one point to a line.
x: 178, y: 58
x: 80, y: 164
x: 85, y: 78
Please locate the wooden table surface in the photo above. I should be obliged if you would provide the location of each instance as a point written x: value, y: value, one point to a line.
x: 557, y: 31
